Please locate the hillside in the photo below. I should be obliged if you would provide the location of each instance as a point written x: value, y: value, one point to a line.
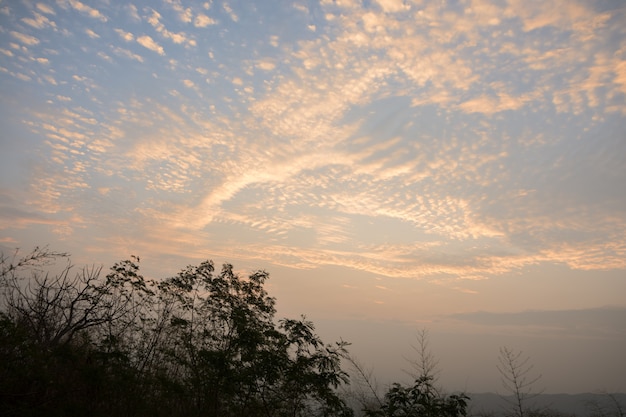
x: 583, y: 405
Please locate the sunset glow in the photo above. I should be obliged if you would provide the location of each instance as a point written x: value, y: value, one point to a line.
x: 458, y: 166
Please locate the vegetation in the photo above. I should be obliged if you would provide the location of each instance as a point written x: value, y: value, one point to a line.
x: 515, y: 371
x: 421, y: 399
x: 76, y: 342
x: 198, y: 343
x: 610, y: 407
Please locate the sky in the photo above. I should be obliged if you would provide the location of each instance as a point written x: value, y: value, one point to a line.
x: 457, y: 166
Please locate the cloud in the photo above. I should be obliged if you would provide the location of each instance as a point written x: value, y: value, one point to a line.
x: 177, y: 38
x: 397, y: 143
x: 128, y: 54
x: 25, y: 39
x: 149, y: 43
x: 348, y: 4
x: 266, y: 65
x: 490, y: 104
x: 620, y: 74
x: 393, y: 6
x: 39, y: 22
x: 104, y: 56
x: 85, y: 9
x: 203, y: 20
x: 230, y: 12
x: 127, y: 36
x: 91, y: 34
x: 184, y: 14
x: 561, y: 14
x: 133, y: 12
x: 44, y: 8
x: 593, y: 322
x: 21, y: 76
x: 16, y: 218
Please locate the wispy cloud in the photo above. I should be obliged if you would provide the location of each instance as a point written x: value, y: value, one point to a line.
x: 587, y: 323
x: 127, y: 36
x: 25, y: 39
x: 133, y: 12
x: 409, y: 140
x: 44, y: 8
x: 185, y: 14
x: 176, y: 37
x: 83, y: 8
x: 39, y: 21
x: 92, y: 34
x: 230, y: 12
x: 393, y: 6
x: 149, y: 43
x: 128, y: 54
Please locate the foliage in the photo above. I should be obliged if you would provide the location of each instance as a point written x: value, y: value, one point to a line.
x: 198, y: 343
x: 421, y: 399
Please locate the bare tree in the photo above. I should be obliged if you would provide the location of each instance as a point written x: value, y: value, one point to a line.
x: 618, y: 408
x: 518, y: 380
x: 424, y: 365
x: 614, y: 408
x: 56, y: 306
x: 364, y: 388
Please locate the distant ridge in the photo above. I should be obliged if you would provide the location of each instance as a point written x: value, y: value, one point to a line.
x: 582, y: 405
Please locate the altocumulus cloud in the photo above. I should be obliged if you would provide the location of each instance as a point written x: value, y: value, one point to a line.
x: 149, y: 43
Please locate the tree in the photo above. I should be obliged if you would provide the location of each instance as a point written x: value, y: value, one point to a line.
x: 610, y: 407
x: 517, y: 380
x: 198, y: 343
x: 62, y: 333
x: 421, y: 399
x: 235, y: 360
x: 424, y: 365
x: 364, y: 390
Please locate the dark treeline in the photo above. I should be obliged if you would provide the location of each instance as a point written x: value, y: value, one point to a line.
x: 77, y: 342
x: 201, y: 343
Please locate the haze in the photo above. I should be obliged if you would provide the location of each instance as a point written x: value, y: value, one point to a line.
x: 395, y: 165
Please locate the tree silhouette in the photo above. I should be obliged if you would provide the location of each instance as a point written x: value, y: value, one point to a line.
x: 198, y: 343
x: 515, y: 371
x: 424, y: 364
x: 421, y: 399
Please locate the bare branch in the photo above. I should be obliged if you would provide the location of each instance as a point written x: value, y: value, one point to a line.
x: 515, y: 372
x: 366, y: 386
x: 424, y: 365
